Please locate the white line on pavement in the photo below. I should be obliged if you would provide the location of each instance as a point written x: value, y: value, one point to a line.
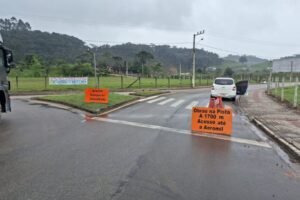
x: 155, y: 100
x: 177, y: 103
x: 191, y: 105
x: 148, y: 98
x: 166, y: 101
x: 227, y: 107
x: 186, y: 132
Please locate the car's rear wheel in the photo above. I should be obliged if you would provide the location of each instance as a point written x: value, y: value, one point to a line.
x: 233, y: 99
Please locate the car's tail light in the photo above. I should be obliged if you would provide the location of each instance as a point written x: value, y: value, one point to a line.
x: 234, y: 88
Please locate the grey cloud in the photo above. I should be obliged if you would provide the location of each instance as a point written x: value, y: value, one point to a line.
x: 160, y: 14
x: 262, y: 27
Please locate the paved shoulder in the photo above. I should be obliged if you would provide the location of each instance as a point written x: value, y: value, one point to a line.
x: 281, y: 120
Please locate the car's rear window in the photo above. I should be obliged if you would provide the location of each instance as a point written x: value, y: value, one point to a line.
x: 224, y: 81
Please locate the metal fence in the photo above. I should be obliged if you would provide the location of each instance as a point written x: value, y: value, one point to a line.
x: 285, y: 89
x: 111, y: 82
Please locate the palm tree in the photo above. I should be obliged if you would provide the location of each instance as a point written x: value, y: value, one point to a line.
x: 143, y: 57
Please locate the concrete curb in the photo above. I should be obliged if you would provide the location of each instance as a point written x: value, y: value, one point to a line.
x: 118, y: 108
x: 55, y: 92
x: 79, y: 108
x: 69, y: 107
x: 286, y: 145
x: 283, y: 143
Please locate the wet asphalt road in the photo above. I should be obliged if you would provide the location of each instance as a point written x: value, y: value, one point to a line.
x: 50, y: 153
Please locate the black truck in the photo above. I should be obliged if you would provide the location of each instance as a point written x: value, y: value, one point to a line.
x: 6, y: 63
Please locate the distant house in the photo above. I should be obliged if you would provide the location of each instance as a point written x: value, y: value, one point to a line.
x: 211, y: 69
x: 185, y: 74
x: 286, y: 65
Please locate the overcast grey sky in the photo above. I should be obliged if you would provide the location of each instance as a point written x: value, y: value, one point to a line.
x: 266, y: 28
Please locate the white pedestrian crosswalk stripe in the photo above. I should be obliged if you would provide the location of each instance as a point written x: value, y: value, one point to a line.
x: 191, y: 105
x: 172, y: 102
x: 227, y: 107
x: 148, y: 98
x: 155, y: 100
x: 166, y: 101
x: 177, y: 103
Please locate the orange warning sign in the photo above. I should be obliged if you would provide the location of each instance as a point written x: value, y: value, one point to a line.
x: 96, y: 95
x: 212, y: 120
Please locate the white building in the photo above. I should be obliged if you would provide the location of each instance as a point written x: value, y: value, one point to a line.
x: 286, y: 65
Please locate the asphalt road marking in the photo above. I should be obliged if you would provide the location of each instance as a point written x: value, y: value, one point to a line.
x: 166, y: 101
x: 186, y: 132
x: 227, y: 107
x: 177, y: 103
x: 155, y: 100
x: 191, y: 105
x: 148, y: 98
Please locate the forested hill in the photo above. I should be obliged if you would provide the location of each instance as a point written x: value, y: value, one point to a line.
x: 53, y: 48
x: 250, y: 60
x: 49, y: 46
x: 167, y: 55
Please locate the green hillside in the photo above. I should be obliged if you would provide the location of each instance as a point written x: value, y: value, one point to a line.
x: 53, y: 48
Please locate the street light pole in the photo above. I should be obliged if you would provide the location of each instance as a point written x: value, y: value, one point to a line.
x: 95, y: 67
x: 194, y: 61
x: 194, y: 56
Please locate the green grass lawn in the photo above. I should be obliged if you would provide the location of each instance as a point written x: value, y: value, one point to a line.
x: 288, y: 94
x: 77, y: 101
x: 27, y: 84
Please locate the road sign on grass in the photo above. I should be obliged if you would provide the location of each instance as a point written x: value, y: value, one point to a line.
x: 96, y: 95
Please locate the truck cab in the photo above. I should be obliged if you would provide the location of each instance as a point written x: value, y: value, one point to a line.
x: 6, y: 63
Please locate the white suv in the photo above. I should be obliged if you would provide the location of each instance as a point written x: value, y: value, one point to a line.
x: 224, y: 87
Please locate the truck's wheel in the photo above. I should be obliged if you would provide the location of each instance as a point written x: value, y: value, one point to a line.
x: 2, y: 102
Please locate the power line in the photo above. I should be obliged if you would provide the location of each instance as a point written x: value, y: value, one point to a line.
x: 219, y: 49
x: 165, y: 43
x: 169, y: 43
x: 257, y: 42
x: 123, y: 42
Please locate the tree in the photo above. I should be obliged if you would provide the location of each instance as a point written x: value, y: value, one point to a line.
x: 228, y: 72
x: 117, y: 63
x: 34, y: 64
x: 243, y: 59
x: 14, y: 24
x: 157, y: 69
x: 143, y: 57
x: 86, y: 57
x: 218, y: 72
x: 173, y: 71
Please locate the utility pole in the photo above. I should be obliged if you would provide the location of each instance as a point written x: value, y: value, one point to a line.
x: 180, y: 69
x: 291, y: 74
x: 126, y: 63
x: 95, y: 66
x: 194, y: 55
